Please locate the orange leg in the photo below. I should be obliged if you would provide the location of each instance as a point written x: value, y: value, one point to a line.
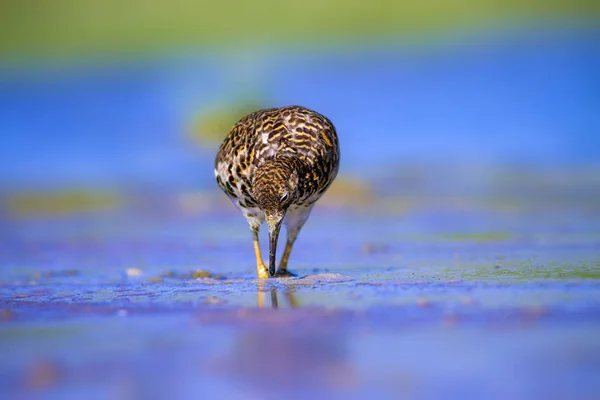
x: 294, y: 223
x: 261, y: 269
x: 285, y: 258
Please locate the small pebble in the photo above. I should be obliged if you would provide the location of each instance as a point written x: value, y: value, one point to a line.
x: 371, y: 248
x: 43, y: 374
x: 422, y: 302
x: 6, y: 315
x: 468, y: 301
x: 134, y: 272
x: 213, y: 300
x: 200, y: 274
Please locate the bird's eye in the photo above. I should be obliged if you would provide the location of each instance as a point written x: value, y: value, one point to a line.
x: 284, y: 197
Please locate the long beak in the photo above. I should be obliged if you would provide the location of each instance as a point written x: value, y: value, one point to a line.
x: 274, y: 227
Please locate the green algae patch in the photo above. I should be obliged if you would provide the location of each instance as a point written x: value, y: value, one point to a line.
x: 477, y: 237
x: 71, y: 27
x: 16, y: 332
x: 348, y: 192
x: 491, y: 273
x: 61, y: 203
x: 210, y: 127
x: 530, y: 272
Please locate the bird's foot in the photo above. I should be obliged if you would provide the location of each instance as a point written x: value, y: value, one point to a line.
x: 262, y: 271
x: 284, y: 273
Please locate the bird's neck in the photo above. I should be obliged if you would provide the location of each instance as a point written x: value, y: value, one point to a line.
x: 271, y: 178
x: 280, y: 168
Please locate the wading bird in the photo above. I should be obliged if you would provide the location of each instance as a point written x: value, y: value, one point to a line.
x: 274, y: 165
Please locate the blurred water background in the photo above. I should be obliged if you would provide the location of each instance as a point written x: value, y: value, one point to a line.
x: 457, y: 254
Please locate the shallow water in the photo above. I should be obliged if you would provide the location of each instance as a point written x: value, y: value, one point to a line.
x: 124, y: 305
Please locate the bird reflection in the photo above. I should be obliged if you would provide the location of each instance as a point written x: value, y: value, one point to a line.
x: 290, y: 298
x: 282, y: 350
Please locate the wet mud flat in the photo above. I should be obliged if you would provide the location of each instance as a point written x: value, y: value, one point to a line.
x: 423, y: 304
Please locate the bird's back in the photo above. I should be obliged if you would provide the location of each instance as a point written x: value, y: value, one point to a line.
x: 292, y: 132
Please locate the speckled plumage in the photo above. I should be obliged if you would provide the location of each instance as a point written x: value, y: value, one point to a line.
x: 277, y: 163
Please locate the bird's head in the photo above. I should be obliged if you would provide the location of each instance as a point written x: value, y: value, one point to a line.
x: 275, y: 187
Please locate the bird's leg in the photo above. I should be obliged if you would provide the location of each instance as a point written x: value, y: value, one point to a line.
x: 261, y: 269
x: 282, y: 271
x: 294, y: 223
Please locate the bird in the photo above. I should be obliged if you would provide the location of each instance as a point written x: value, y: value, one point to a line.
x: 274, y: 165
